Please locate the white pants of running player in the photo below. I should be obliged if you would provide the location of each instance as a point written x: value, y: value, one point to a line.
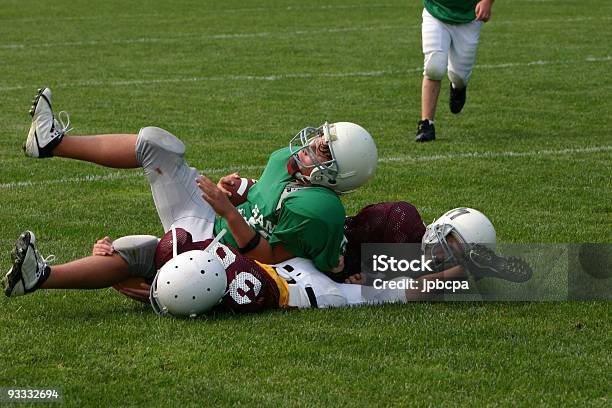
x: 449, y: 47
x: 303, y: 278
x: 177, y: 197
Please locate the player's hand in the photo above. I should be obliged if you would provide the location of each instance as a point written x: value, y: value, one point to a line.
x: 228, y: 181
x: 103, y: 247
x: 483, y: 10
x: 214, y: 196
x: 140, y: 294
x: 340, y: 266
x: 356, y: 279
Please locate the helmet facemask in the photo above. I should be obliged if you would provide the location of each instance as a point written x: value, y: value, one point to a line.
x: 466, y: 226
x: 436, y: 247
x: 323, y: 172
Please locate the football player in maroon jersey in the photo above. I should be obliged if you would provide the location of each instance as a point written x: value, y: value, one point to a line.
x: 252, y: 286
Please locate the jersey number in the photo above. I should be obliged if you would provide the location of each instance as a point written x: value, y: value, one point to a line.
x: 240, y: 283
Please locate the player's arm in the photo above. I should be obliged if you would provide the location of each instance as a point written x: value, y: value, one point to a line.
x: 456, y: 272
x: 253, y: 245
x: 250, y: 243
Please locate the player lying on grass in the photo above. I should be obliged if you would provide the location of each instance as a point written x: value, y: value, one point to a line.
x: 190, y: 278
x: 294, y: 209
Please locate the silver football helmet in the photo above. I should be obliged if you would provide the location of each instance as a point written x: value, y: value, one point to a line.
x: 189, y: 284
x: 467, y: 225
x: 353, y: 155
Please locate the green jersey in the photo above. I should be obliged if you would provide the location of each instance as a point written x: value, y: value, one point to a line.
x: 452, y: 11
x: 309, y: 222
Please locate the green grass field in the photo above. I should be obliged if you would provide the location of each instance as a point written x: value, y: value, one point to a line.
x: 235, y: 80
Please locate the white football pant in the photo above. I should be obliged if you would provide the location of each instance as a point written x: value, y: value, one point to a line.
x: 177, y: 197
x: 309, y: 287
x: 451, y: 46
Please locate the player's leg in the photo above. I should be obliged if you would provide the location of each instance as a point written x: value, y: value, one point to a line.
x: 435, y: 43
x: 176, y: 195
x: 381, y: 292
x: 92, y: 272
x: 172, y: 181
x: 30, y: 271
x: 430, y: 90
x: 308, y: 287
x: 461, y: 60
x: 46, y: 138
x: 133, y: 256
x: 118, y: 150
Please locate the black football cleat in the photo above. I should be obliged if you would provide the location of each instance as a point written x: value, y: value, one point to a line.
x: 456, y: 99
x: 482, y: 262
x: 426, y: 132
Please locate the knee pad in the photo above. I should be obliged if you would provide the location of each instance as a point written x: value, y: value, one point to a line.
x: 139, y: 253
x: 435, y: 65
x: 159, y: 138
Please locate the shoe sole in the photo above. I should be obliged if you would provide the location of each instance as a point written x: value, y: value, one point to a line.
x: 424, y: 139
x: 18, y: 255
x: 35, y: 101
x: 456, y: 112
x: 511, y: 269
x: 516, y: 270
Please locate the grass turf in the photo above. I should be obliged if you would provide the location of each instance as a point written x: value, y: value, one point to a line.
x: 531, y: 150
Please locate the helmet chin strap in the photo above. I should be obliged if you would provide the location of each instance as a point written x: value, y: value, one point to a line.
x: 174, y: 243
x: 294, y: 170
x: 216, y: 240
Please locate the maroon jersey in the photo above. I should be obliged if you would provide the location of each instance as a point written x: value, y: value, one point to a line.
x: 249, y: 287
x: 390, y: 222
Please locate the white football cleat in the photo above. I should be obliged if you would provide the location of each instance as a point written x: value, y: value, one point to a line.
x: 29, y: 269
x: 46, y: 132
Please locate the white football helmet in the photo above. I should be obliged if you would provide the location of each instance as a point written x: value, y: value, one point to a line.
x: 467, y: 225
x: 189, y: 284
x: 353, y: 152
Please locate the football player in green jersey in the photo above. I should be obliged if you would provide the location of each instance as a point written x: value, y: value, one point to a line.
x: 294, y: 209
x: 450, y: 34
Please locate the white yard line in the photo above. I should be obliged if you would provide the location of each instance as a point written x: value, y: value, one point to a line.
x: 467, y: 155
x: 393, y: 159
x: 280, y: 34
x: 163, y: 17
x: 305, y: 75
x: 181, y: 38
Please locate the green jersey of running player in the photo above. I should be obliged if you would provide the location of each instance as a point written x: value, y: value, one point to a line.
x: 308, y: 222
x: 452, y: 11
